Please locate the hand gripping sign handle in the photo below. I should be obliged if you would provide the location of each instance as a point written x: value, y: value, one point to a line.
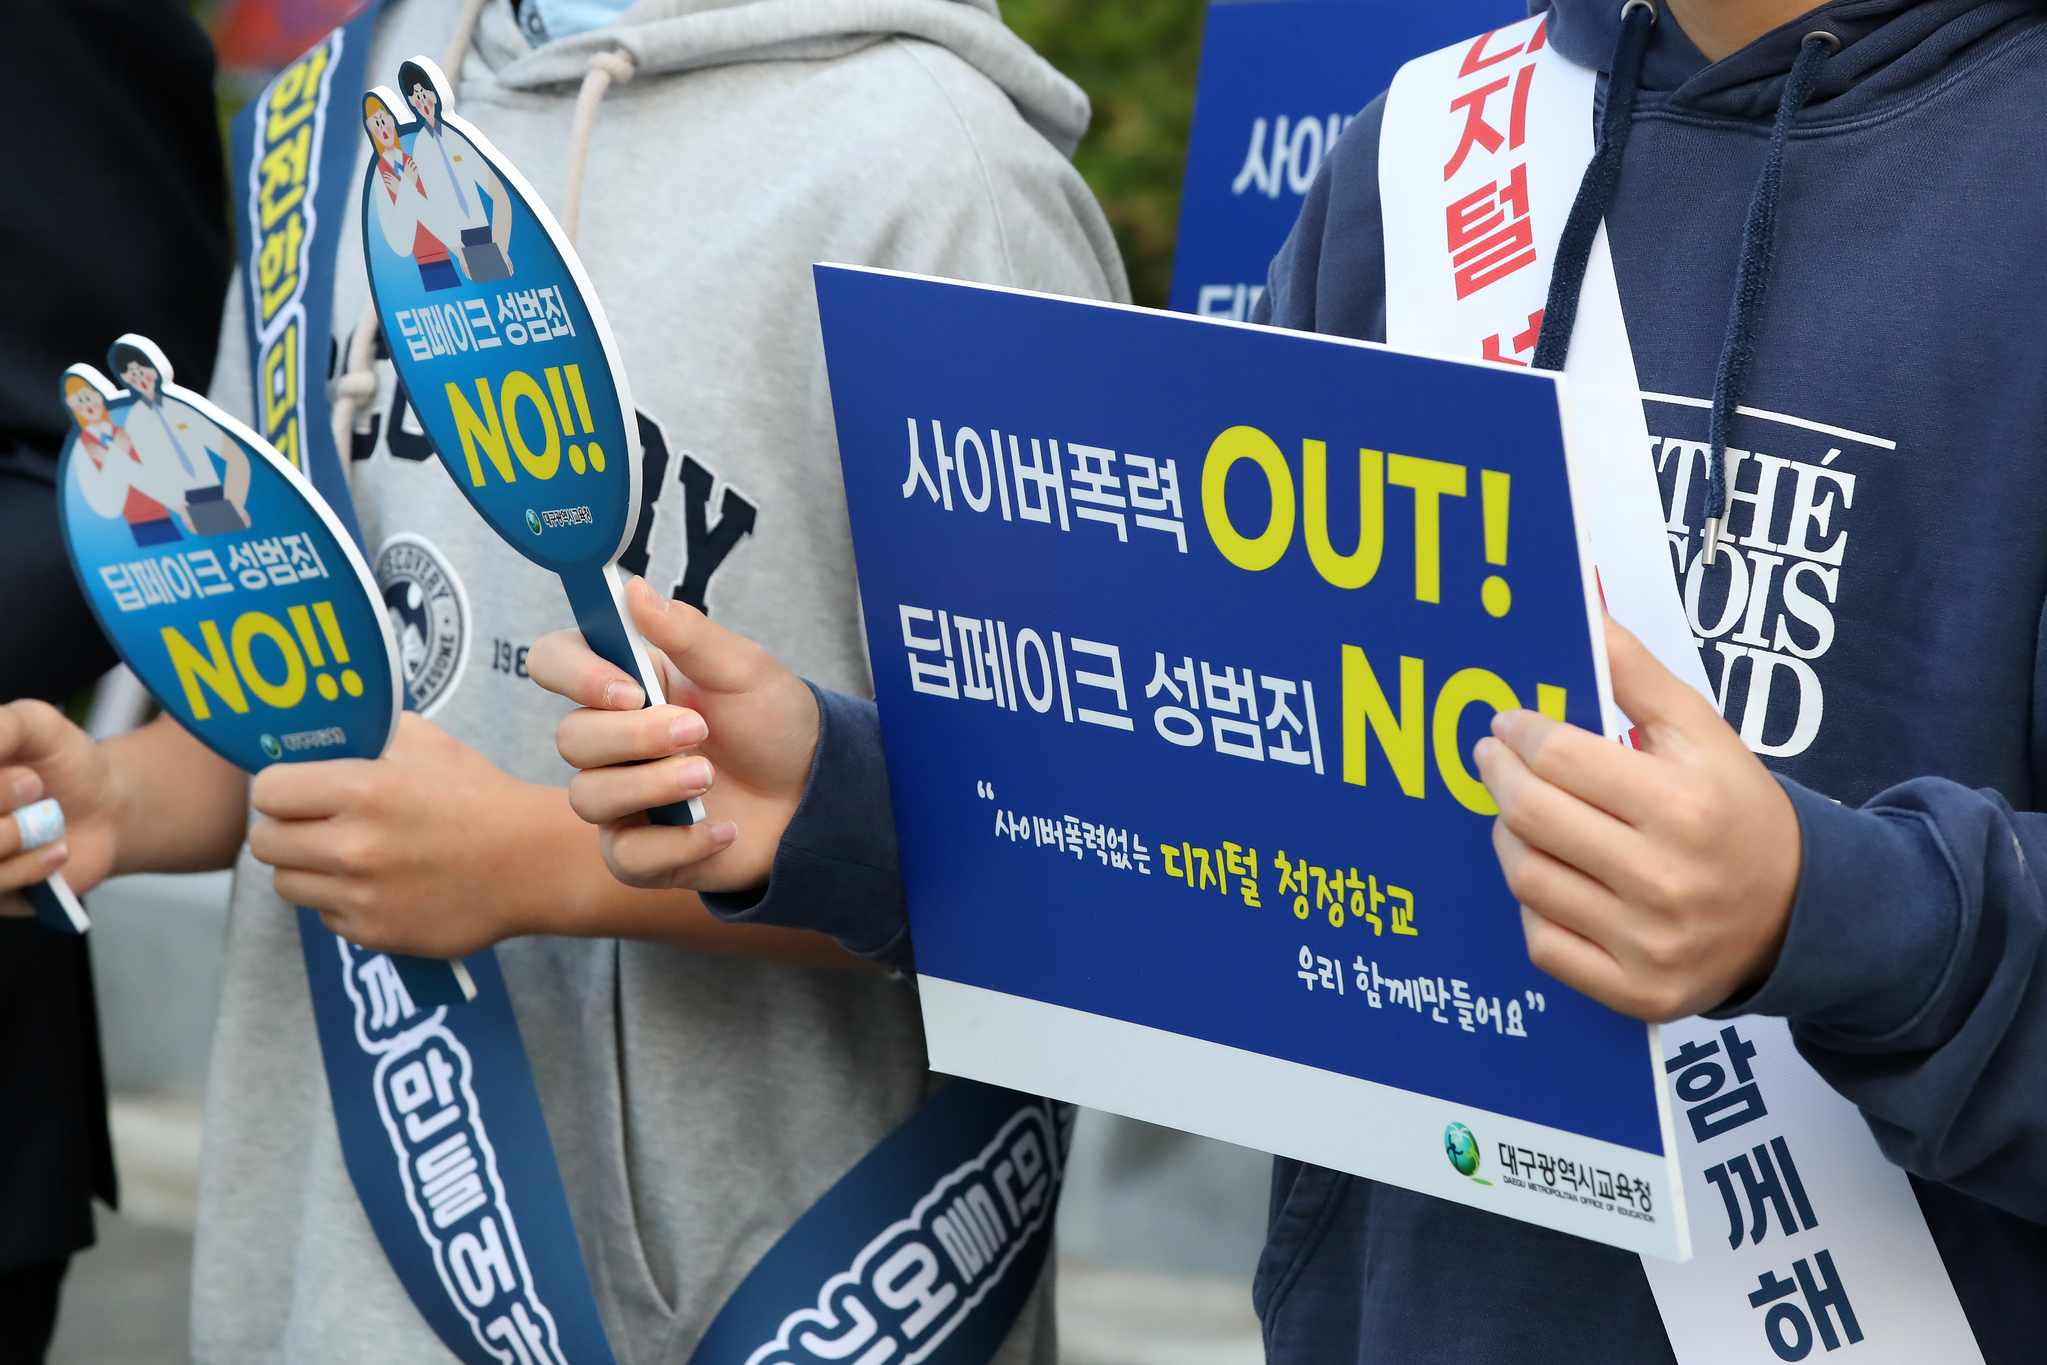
x: 598, y: 599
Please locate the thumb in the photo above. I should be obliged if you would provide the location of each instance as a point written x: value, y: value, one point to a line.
x: 1656, y: 700
x: 710, y: 656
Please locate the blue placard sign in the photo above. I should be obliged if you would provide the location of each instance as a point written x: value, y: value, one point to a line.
x: 1182, y: 634
x: 226, y: 584
x: 1280, y: 80
x: 505, y: 354
x: 224, y: 581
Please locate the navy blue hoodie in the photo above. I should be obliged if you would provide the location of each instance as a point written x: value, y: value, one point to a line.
x: 1882, y: 623
x: 1877, y: 639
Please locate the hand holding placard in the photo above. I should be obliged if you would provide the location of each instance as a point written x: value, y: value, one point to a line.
x: 512, y: 371
x: 1657, y: 881
x: 753, y: 718
x: 261, y: 632
x: 32, y: 850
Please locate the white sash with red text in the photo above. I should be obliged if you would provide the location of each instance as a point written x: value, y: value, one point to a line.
x: 1805, y: 1238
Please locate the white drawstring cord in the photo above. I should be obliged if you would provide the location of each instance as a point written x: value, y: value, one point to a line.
x: 606, y: 70
x: 356, y: 388
x: 458, y: 42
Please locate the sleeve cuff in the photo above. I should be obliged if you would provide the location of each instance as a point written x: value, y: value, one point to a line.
x: 837, y: 870
x: 1873, y: 925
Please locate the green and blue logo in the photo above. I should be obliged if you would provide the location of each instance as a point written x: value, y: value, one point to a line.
x: 1462, y: 1149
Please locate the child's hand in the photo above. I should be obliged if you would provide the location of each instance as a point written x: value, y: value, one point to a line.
x: 1658, y: 881
x: 43, y: 754
x: 427, y: 850
x: 732, y: 706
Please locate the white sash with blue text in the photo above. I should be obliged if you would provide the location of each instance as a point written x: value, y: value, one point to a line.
x: 1804, y: 1235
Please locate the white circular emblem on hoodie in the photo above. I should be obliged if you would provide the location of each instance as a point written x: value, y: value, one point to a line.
x: 429, y: 614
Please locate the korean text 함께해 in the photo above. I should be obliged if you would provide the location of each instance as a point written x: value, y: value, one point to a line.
x: 1786, y: 1326
x: 1715, y: 1083
x: 1769, y: 1178
x: 1053, y: 485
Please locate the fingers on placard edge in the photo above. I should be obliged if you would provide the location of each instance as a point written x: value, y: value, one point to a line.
x: 1556, y: 890
x: 605, y: 796
x: 1584, y: 820
x: 42, y: 729
x: 590, y: 740
x: 1649, y: 693
x: 668, y: 625
x: 659, y: 857
x: 32, y: 866
x: 1570, y: 957
x: 312, y: 791
x: 706, y: 653
x: 32, y: 790
x: 563, y: 663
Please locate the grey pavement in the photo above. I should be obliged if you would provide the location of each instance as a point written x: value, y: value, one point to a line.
x: 125, y: 1298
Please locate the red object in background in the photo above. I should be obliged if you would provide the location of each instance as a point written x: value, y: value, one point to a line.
x: 269, y: 33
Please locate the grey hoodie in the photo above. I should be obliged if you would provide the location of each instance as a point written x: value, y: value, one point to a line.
x: 697, y: 1104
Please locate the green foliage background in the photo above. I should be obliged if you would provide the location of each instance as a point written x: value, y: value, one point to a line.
x: 1136, y: 59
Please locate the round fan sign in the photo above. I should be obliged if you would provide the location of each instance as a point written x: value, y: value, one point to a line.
x: 505, y: 355
x: 223, y: 580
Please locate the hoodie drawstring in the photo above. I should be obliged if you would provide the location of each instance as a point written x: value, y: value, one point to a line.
x: 606, y: 70
x: 356, y: 388
x: 1758, y: 240
x: 458, y: 41
x: 1752, y: 276
x: 1595, y: 191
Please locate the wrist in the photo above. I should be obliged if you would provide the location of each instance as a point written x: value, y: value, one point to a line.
x: 122, y: 806
x: 563, y: 887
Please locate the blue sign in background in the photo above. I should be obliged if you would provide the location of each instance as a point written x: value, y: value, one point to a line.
x: 271, y: 628
x: 1027, y: 917
x: 1304, y: 63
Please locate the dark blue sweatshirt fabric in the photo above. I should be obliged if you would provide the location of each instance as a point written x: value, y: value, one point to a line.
x: 1877, y: 638
x: 1879, y: 641
x: 836, y: 870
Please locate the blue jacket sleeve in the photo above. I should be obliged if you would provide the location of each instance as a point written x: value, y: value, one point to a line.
x: 1336, y: 284
x: 837, y: 870
x: 1912, y: 977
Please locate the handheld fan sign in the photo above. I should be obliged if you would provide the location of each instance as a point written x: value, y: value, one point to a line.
x: 505, y: 356
x: 226, y: 583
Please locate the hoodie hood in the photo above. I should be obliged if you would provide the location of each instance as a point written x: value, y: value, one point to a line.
x: 1891, y: 50
x: 667, y: 36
